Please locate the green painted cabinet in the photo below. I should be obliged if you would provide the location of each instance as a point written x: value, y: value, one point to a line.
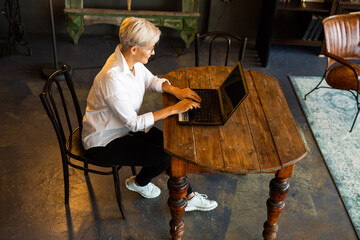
x: 186, y: 21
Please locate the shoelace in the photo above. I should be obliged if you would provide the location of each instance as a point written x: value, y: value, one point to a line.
x: 149, y: 187
x: 202, y: 197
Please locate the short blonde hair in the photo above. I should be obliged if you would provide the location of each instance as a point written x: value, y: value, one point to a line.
x: 138, y: 31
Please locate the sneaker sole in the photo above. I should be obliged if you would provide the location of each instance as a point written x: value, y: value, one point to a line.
x: 199, y: 209
x: 145, y: 196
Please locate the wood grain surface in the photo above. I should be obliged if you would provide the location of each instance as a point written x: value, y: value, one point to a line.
x: 261, y: 136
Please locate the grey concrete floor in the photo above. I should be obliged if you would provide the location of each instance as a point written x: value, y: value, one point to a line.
x: 32, y: 196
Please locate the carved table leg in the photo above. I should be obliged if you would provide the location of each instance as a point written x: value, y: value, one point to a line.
x: 279, y: 187
x: 177, y: 203
x: 177, y: 185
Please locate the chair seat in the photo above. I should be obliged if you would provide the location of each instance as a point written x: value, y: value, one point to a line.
x: 76, y: 150
x: 341, y: 77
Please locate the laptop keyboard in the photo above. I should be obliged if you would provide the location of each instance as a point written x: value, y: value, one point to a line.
x: 204, y: 113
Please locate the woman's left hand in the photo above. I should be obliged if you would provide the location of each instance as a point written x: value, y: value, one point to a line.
x: 184, y: 93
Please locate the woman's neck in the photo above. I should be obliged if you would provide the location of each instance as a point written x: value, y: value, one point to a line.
x: 129, y: 58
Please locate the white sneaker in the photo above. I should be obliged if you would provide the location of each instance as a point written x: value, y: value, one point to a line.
x: 148, y: 191
x: 200, y: 202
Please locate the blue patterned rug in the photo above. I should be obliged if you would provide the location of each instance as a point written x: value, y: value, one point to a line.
x: 330, y: 114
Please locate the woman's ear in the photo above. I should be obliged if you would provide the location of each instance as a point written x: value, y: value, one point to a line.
x: 133, y: 50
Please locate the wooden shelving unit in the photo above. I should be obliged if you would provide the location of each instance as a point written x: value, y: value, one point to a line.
x: 297, y: 18
x: 286, y: 23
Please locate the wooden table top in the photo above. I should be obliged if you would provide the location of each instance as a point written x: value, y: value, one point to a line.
x: 261, y: 136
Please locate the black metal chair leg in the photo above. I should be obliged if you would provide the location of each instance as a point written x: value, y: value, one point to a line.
x: 357, y: 113
x: 317, y: 86
x: 117, y: 190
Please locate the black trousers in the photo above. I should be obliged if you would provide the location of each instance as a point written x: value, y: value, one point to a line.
x: 137, y: 149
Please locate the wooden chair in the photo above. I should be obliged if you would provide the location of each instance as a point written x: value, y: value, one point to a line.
x: 211, y: 37
x: 56, y: 101
x: 342, y: 39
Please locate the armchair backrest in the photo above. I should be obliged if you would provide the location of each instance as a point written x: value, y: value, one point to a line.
x: 342, y: 36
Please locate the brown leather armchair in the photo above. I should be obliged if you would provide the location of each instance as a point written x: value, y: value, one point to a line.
x: 342, y: 44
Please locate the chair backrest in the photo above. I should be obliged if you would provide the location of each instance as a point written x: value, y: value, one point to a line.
x: 342, y: 36
x: 211, y: 37
x: 58, y: 107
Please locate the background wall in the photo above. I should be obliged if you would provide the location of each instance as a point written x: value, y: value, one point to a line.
x: 237, y: 16
x: 240, y: 17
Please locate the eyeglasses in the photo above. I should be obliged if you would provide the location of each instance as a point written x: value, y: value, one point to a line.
x: 149, y: 49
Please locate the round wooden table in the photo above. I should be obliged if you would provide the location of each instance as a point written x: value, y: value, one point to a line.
x: 260, y: 137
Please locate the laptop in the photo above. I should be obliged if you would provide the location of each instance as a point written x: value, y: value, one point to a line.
x: 218, y: 105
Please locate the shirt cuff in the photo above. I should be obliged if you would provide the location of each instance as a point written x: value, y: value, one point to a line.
x: 149, y: 121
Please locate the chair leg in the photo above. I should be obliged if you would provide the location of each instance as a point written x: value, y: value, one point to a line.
x: 357, y: 113
x: 86, y: 165
x: 66, y: 181
x: 316, y: 86
x: 117, y: 190
x: 133, y: 169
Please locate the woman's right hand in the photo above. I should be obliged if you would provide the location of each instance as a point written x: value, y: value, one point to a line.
x: 185, y: 105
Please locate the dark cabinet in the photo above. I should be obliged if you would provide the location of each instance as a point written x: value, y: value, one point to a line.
x: 287, y: 22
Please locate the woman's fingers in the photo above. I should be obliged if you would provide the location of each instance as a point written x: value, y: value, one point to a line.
x: 195, y: 96
x: 192, y: 95
x: 193, y: 104
x: 187, y: 104
x: 187, y: 93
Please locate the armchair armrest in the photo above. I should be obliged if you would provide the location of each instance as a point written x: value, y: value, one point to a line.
x: 353, y: 66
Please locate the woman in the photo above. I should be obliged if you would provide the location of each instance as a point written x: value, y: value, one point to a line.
x: 112, y: 129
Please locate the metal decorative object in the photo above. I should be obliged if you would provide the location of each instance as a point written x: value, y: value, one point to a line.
x: 11, y: 10
x: 303, y: 4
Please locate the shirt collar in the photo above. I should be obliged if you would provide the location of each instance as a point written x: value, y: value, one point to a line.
x: 120, y: 60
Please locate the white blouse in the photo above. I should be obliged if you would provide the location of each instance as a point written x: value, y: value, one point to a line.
x: 115, y: 99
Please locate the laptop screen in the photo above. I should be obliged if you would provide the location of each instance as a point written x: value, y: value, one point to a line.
x: 233, y: 91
